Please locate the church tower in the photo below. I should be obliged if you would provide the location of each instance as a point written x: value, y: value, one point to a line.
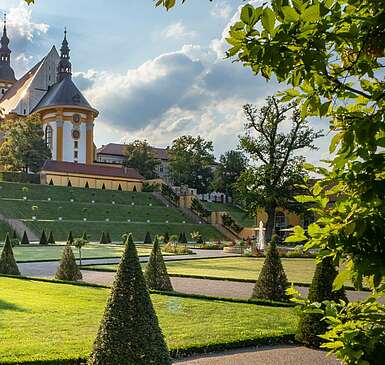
x: 7, y: 75
x: 68, y: 118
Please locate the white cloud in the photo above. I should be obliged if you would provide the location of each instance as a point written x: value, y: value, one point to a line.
x: 221, y: 9
x: 177, y: 31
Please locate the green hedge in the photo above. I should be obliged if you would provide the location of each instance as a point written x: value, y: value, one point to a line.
x: 19, y: 177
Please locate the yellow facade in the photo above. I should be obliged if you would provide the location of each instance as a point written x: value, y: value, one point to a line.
x: 292, y: 219
x: 92, y: 181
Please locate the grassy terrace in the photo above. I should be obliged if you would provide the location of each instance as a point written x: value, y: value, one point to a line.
x: 61, y: 322
x: 297, y: 270
x: 238, y: 214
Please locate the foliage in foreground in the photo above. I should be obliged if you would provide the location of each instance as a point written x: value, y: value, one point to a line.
x: 272, y: 281
x: 311, y: 325
x: 8, y: 264
x: 129, y: 332
x: 156, y: 272
x: 68, y: 269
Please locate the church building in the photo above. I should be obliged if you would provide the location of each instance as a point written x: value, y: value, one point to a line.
x: 67, y: 120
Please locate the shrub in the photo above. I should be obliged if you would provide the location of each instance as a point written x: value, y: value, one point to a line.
x: 103, y: 238
x: 166, y: 238
x: 311, y: 325
x: 212, y: 245
x: 129, y: 333
x: 176, y: 249
x: 182, y: 238
x: 156, y: 272
x: 148, y: 239
x: 70, y: 239
x: 68, y: 269
x: 43, y: 239
x: 197, y: 237
x: 25, y: 240
x: 108, y: 237
x: 8, y: 264
x: 51, y: 239
x: 272, y: 281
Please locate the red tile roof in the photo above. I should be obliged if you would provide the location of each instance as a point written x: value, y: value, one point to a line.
x: 117, y: 149
x: 95, y: 169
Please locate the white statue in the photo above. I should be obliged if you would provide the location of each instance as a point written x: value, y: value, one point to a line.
x: 261, y: 236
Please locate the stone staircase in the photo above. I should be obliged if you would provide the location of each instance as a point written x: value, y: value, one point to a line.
x: 226, y: 232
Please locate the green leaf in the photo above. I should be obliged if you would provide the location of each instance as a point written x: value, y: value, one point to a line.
x: 304, y: 198
x: 290, y: 14
x: 247, y: 14
x: 335, y: 141
x: 297, y: 236
x: 311, y: 14
x: 268, y: 20
x: 341, y: 278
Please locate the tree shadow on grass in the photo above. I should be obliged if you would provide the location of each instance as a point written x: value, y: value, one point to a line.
x: 7, y: 306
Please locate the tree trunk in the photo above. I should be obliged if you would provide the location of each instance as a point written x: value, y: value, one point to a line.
x: 270, y: 224
x: 80, y: 256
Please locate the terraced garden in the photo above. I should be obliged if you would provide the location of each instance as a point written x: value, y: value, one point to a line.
x: 237, y: 213
x: 61, y: 322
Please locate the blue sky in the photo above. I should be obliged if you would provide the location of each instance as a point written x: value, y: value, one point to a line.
x: 152, y: 74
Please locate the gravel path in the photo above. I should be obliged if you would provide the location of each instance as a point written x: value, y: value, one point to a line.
x: 218, y: 288
x: 277, y: 355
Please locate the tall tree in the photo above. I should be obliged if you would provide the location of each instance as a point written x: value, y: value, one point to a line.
x: 231, y: 165
x: 23, y: 147
x: 140, y: 156
x: 191, y: 162
x: 271, y: 182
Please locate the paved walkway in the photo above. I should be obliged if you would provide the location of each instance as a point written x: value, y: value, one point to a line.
x: 277, y: 355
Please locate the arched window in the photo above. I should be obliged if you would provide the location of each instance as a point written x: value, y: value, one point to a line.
x: 280, y: 221
x: 48, y: 136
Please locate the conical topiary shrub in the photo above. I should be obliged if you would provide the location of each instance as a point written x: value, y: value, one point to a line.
x: 51, y: 238
x: 310, y: 324
x: 182, y: 238
x: 103, y: 238
x: 8, y: 264
x: 70, y: 239
x: 25, y: 239
x: 43, y: 238
x: 272, y: 281
x: 129, y: 333
x: 166, y: 238
x: 156, y: 272
x: 68, y: 269
x: 14, y: 235
x: 108, y: 237
x: 85, y: 236
x: 148, y: 239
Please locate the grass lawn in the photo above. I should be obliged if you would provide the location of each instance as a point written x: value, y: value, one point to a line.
x: 61, y: 321
x: 34, y: 253
x: 238, y: 214
x: 297, y: 270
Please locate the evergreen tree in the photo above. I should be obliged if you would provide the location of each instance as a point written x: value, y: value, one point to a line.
x: 108, y: 237
x: 70, y: 239
x: 166, y: 238
x: 51, y: 238
x: 43, y: 239
x: 103, y: 238
x: 25, y: 240
x: 156, y: 272
x: 311, y: 325
x: 68, y: 269
x: 147, y: 239
x: 272, y: 282
x: 182, y: 238
x: 14, y: 235
x: 85, y: 236
x: 129, y: 333
x: 8, y: 264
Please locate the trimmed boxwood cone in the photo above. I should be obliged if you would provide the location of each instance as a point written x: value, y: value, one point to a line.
x: 68, y: 269
x: 103, y: 239
x: 310, y: 325
x: 51, y: 239
x: 8, y: 264
x: 156, y: 272
x: 25, y: 239
x: 70, y: 239
x: 43, y: 238
x: 129, y: 333
x: 108, y: 237
x: 272, y: 281
x: 148, y: 239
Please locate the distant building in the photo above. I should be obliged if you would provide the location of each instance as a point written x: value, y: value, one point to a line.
x: 114, y: 153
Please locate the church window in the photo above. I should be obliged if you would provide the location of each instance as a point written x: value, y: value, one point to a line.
x: 76, y: 144
x: 48, y: 136
x: 25, y: 111
x: 75, y: 154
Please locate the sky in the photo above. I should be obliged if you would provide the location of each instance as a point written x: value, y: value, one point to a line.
x: 152, y: 74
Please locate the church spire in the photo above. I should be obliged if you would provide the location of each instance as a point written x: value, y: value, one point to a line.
x: 5, y: 52
x: 7, y: 75
x: 64, y: 69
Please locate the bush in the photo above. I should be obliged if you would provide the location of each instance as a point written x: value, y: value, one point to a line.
x: 311, y: 325
x: 8, y: 264
x: 51, y: 239
x: 148, y: 239
x: 176, y: 249
x: 129, y: 333
x: 43, y: 239
x: 103, y: 238
x: 156, y: 272
x: 19, y: 177
x: 212, y: 246
x: 68, y: 269
x: 25, y: 239
x: 70, y: 238
x: 272, y: 281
